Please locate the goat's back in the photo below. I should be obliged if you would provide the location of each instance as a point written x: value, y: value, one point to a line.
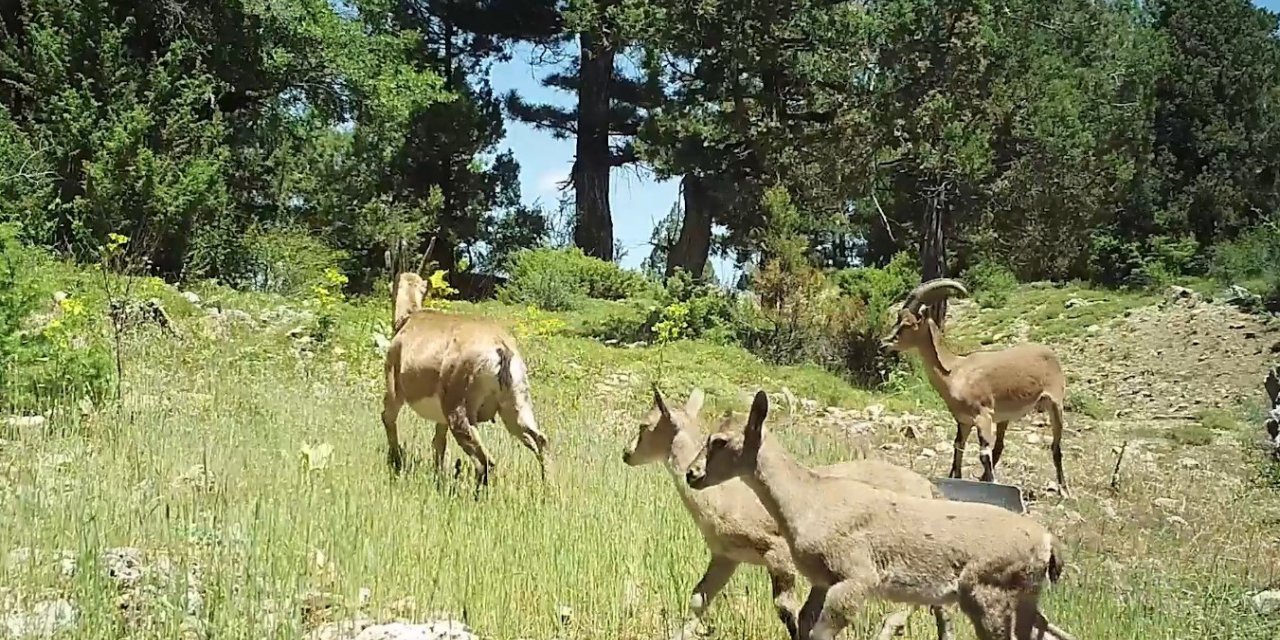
x: 884, y: 475
x: 1017, y: 374
x: 435, y: 354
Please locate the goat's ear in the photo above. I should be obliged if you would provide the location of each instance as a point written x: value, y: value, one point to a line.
x: 755, y: 422
x: 694, y: 404
x: 660, y: 403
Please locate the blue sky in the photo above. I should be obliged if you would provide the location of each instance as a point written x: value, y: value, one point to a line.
x: 638, y: 200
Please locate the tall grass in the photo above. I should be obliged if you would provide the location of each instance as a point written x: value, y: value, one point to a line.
x: 605, y: 551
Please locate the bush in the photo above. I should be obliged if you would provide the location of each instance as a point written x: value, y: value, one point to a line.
x: 875, y: 285
x: 684, y: 310
x: 1153, y: 263
x: 46, y: 357
x: 991, y: 283
x: 805, y: 319
x: 552, y: 278
x: 1252, y: 260
x: 290, y: 262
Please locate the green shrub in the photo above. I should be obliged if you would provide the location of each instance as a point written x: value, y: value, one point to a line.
x: 1155, y: 262
x: 44, y: 356
x: 556, y: 276
x: 288, y: 261
x: 876, y: 285
x: 991, y: 283
x: 1252, y: 260
x: 684, y: 310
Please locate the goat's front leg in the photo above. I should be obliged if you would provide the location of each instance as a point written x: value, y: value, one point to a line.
x: 717, y: 575
x: 986, y: 436
x: 809, y: 612
x: 894, y: 623
x: 957, y: 455
x: 390, y: 414
x: 844, y: 600
x: 942, y: 622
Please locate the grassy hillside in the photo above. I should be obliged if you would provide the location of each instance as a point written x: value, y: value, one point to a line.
x: 256, y: 458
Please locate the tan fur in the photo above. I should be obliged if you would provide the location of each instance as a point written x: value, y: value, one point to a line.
x: 456, y: 371
x: 853, y: 541
x: 734, y: 524
x: 984, y: 389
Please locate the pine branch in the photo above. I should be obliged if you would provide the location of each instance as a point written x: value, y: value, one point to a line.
x: 562, y: 123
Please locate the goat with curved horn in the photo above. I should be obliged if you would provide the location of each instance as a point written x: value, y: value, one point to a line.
x: 984, y: 389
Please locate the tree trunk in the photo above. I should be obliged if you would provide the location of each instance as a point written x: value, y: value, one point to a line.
x: 933, y: 247
x: 593, y: 228
x: 694, y: 244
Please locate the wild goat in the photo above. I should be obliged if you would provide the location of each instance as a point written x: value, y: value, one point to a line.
x: 986, y: 389
x: 456, y: 371
x: 854, y: 541
x: 735, y: 526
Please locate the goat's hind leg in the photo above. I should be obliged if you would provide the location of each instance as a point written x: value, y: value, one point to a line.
x: 465, y: 434
x: 517, y: 417
x: 1031, y: 624
x: 1053, y: 406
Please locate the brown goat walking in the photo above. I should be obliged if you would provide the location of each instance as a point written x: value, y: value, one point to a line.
x: 456, y: 371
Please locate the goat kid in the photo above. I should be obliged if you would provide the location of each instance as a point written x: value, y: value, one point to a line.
x: 735, y: 525
x: 984, y: 389
x: 853, y: 541
x: 456, y: 371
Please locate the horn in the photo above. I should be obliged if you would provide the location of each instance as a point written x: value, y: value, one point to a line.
x: 426, y: 255
x: 932, y: 291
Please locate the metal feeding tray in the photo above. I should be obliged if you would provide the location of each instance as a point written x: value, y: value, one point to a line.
x: 1006, y: 496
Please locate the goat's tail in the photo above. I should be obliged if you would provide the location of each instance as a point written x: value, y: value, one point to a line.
x: 505, y: 379
x: 1057, y: 562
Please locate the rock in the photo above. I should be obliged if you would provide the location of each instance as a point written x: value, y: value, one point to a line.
x: 909, y: 432
x: 237, y: 315
x: 1166, y: 503
x: 891, y: 446
x: 875, y: 411
x: 437, y: 630
x: 43, y: 619
x: 928, y: 453
x: 1074, y: 302
x: 21, y: 558
x: 1266, y: 602
x: 1177, y: 520
x: 59, y: 296
x: 1093, y: 328
x: 1034, y: 438
x: 190, y: 296
x: 26, y: 426
x: 1189, y: 463
x: 342, y: 630
x: 1179, y: 293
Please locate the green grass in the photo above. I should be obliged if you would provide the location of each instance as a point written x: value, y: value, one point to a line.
x: 1191, y: 435
x: 609, y: 544
x: 1087, y: 404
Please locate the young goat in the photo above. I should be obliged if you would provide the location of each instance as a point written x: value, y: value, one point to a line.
x: 984, y: 389
x: 456, y: 371
x: 853, y: 541
x: 735, y: 526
